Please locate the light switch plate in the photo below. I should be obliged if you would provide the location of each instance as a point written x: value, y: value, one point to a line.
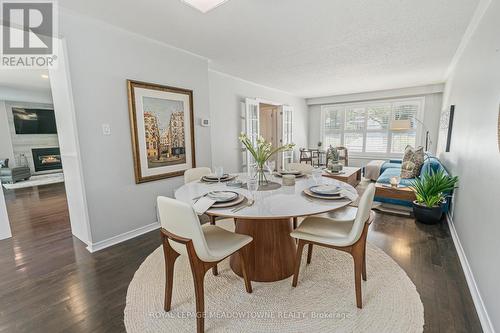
x: 106, y: 129
x: 205, y: 122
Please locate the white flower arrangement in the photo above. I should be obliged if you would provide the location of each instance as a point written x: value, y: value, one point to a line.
x: 263, y: 150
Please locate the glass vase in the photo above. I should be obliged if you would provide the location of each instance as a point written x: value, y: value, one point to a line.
x: 260, y: 174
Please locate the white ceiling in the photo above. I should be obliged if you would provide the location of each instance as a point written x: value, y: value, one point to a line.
x: 28, y: 79
x: 306, y: 47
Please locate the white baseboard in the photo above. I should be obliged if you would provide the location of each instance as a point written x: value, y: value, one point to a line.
x: 471, y: 282
x: 94, y: 247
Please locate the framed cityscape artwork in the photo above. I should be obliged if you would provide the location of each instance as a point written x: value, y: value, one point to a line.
x: 161, y: 122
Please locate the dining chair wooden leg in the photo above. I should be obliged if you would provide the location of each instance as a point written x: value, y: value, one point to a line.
x: 198, y: 268
x: 170, y: 258
x: 200, y: 304
x: 244, y: 270
x: 357, y: 254
x: 298, y: 259
x: 215, y: 272
x: 309, y: 253
x: 364, y: 261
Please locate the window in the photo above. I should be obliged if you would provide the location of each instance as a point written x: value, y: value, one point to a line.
x: 365, y: 127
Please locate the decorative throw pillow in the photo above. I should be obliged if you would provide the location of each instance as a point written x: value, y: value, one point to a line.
x: 413, y: 160
x: 4, y: 163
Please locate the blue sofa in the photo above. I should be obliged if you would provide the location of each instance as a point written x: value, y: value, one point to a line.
x: 392, y: 168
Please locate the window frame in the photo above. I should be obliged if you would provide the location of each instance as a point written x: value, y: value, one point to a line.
x: 365, y: 104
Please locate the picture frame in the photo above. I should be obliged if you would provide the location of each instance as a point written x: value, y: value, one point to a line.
x: 162, y: 130
x: 446, y: 129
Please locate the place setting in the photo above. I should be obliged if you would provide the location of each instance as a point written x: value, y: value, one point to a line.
x: 225, y: 199
x: 296, y: 173
x: 217, y: 177
x: 328, y: 192
x: 214, y: 179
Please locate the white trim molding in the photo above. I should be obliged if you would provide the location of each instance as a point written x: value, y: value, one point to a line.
x: 379, y: 94
x: 94, y: 247
x: 249, y: 82
x: 4, y: 217
x: 484, y: 318
x: 471, y: 28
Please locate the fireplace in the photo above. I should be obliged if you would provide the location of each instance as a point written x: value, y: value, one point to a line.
x: 46, y: 159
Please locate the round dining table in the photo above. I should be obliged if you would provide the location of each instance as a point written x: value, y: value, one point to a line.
x: 271, y: 255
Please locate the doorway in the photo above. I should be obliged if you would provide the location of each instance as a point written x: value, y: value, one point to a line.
x: 71, y: 190
x: 31, y: 174
x: 274, y: 122
x: 269, y: 128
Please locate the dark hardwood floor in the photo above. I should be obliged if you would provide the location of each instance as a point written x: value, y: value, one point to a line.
x: 50, y: 283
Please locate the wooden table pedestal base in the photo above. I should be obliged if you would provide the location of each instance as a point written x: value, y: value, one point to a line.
x: 271, y: 255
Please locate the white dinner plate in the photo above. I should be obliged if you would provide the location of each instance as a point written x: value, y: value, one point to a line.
x: 234, y: 202
x: 290, y: 172
x: 222, y: 196
x: 213, y: 176
x: 330, y: 189
x: 215, y: 180
x: 325, y: 197
x: 281, y: 174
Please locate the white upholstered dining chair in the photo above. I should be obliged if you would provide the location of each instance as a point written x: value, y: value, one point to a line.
x: 205, y: 246
x: 194, y: 174
x: 343, y: 235
x: 302, y: 167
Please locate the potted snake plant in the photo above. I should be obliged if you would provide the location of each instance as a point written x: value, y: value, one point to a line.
x: 431, y: 191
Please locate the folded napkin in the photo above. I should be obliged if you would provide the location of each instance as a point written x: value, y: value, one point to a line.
x: 202, y: 205
x: 348, y: 194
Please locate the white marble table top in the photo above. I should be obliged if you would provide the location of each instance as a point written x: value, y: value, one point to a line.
x: 285, y: 202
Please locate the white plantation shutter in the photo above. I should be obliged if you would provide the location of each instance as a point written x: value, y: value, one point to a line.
x: 407, y: 110
x: 354, y: 119
x: 377, y: 127
x: 354, y: 142
x: 333, y: 120
x: 354, y: 126
x: 365, y: 127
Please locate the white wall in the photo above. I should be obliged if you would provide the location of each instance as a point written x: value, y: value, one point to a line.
x: 101, y: 59
x: 25, y: 95
x: 432, y: 111
x: 226, y: 94
x: 474, y: 89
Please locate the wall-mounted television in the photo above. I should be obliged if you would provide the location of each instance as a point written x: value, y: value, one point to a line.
x: 34, y: 121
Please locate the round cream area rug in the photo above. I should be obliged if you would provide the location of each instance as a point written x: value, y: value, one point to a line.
x: 323, y: 301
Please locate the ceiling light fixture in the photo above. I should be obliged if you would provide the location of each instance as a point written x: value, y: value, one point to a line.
x: 44, y: 76
x: 204, y: 5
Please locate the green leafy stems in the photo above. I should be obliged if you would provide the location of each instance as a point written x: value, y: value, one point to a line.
x: 433, y: 187
x: 263, y: 150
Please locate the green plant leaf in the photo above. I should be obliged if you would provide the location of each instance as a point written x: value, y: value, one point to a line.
x: 432, y: 188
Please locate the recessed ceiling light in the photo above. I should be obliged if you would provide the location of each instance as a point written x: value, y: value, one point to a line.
x: 44, y: 76
x: 204, y: 5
